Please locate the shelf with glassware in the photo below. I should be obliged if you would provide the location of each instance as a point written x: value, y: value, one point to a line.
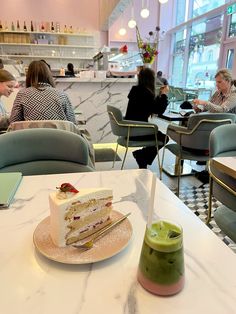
x: 47, y: 45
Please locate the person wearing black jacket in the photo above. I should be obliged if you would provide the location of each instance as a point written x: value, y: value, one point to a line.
x: 143, y: 104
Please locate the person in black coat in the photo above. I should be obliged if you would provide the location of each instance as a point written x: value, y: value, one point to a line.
x: 142, y: 104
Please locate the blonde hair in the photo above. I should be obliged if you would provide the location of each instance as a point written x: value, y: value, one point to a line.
x: 226, y: 75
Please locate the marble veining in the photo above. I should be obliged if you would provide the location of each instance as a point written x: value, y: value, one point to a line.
x: 92, y: 98
x: 35, y: 284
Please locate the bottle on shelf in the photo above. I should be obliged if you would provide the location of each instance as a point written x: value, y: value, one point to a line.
x: 42, y: 27
x: 25, y: 27
x: 52, y: 27
x: 1, y: 26
x: 65, y: 29
x: 18, y: 26
x: 58, y: 27
x: 12, y: 26
x: 31, y: 26
x: 6, y: 26
x: 71, y: 29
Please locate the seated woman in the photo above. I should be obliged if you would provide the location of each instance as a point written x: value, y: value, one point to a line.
x: 7, y: 83
x: 70, y: 70
x: 224, y: 99
x: 40, y: 100
x: 142, y: 104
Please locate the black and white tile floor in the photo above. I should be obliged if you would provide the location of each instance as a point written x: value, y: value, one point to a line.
x: 196, y: 198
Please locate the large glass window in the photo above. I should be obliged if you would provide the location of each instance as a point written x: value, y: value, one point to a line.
x: 232, y: 26
x: 178, y: 60
x: 204, y: 48
x: 202, y: 6
x: 180, y: 11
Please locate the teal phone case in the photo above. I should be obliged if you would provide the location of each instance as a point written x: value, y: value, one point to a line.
x: 9, y: 183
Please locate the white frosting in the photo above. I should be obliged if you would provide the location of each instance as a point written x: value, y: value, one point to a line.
x: 58, y: 207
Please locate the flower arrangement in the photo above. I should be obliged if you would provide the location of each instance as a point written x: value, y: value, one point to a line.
x: 148, y: 48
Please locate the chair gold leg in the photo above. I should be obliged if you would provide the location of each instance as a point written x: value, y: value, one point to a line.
x: 159, y: 164
x: 179, y: 173
x: 124, y: 158
x: 114, y: 160
x: 209, y: 200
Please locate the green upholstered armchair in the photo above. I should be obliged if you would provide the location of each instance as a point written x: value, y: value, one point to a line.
x: 43, y: 151
x: 223, y: 186
x: 195, y: 136
x: 125, y: 129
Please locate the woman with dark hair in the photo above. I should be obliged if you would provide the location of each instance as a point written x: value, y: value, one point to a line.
x: 142, y: 104
x: 40, y: 100
x: 70, y: 70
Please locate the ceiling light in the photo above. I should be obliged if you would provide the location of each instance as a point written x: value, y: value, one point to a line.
x: 163, y: 1
x: 132, y: 23
x: 122, y: 31
x: 144, y: 13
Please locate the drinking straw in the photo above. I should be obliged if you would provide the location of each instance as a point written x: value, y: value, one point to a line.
x: 151, y: 201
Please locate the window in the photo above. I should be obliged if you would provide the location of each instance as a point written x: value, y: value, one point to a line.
x: 232, y: 26
x: 180, y: 11
x: 178, y: 61
x: 204, y: 48
x: 202, y: 6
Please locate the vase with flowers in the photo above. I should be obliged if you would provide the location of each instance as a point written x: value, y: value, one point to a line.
x: 148, y: 48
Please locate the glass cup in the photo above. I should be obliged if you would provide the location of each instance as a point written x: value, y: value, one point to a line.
x: 161, y: 265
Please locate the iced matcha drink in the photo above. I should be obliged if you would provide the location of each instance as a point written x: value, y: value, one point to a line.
x: 161, y: 266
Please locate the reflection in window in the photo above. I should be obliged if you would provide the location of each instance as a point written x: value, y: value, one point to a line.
x: 230, y: 58
x: 204, y: 47
x: 178, y: 59
x: 202, y: 6
x: 232, y: 25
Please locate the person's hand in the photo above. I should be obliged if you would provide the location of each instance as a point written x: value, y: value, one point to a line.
x: 198, y: 105
x: 199, y: 102
x: 164, y: 89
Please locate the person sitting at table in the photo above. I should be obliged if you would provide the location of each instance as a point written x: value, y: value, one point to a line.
x: 224, y: 99
x: 70, y: 70
x: 7, y: 83
x: 160, y: 79
x: 141, y: 105
x: 40, y: 100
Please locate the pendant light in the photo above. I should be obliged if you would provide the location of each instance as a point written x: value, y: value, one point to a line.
x: 145, y: 11
x: 132, y: 23
x: 163, y: 1
x: 122, y: 30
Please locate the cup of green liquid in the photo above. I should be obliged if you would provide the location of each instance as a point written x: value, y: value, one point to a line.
x: 161, y: 265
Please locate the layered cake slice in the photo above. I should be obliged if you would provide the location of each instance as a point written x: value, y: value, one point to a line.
x: 74, y: 214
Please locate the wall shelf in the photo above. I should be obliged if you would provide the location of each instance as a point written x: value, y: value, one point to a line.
x: 53, y: 46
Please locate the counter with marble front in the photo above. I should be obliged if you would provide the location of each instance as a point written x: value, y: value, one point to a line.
x: 91, y: 97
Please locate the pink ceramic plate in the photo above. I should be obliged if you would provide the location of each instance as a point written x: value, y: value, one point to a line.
x: 109, y: 245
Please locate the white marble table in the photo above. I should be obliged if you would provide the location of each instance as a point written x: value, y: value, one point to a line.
x: 226, y: 164
x: 32, y: 284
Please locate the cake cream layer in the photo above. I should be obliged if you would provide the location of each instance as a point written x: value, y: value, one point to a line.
x: 72, y: 213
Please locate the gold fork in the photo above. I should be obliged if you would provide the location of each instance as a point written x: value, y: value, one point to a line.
x: 89, y: 244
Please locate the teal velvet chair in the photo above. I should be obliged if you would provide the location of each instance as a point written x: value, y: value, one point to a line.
x: 194, y: 136
x: 43, y: 151
x: 125, y: 129
x: 223, y: 186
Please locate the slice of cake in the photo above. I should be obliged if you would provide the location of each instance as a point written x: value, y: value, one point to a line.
x: 74, y: 214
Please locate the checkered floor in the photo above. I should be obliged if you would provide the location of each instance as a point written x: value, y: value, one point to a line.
x: 197, y: 200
